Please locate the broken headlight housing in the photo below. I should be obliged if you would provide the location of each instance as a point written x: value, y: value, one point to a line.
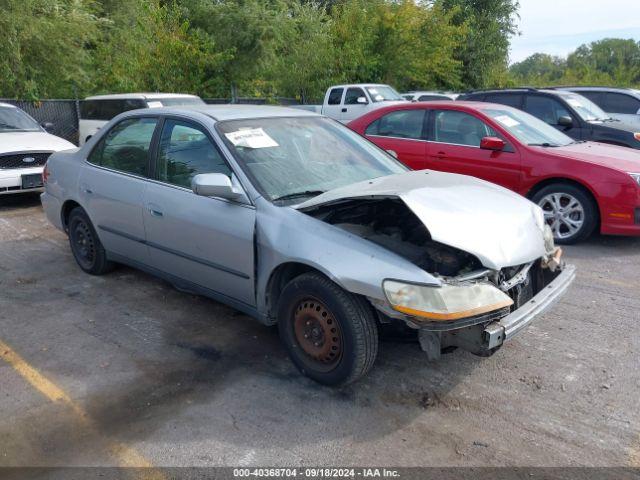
x: 448, y: 302
x: 549, y: 242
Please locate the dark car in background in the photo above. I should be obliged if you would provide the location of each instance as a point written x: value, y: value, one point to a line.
x: 569, y: 112
x: 620, y: 103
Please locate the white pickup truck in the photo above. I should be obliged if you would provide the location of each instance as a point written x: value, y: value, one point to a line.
x: 347, y: 102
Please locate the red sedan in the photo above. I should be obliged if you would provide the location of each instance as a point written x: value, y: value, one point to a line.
x: 580, y: 186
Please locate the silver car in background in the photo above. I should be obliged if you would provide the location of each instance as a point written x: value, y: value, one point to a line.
x: 294, y: 219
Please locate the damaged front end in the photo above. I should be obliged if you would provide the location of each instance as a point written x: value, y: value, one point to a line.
x: 471, y: 306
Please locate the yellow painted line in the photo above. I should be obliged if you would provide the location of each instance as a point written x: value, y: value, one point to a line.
x: 127, y: 456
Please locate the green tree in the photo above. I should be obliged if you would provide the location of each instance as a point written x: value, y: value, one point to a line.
x: 539, y: 69
x: 43, y: 47
x: 485, y: 49
x: 150, y: 46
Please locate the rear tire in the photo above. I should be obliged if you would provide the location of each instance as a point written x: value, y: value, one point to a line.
x: 569, y: 211
x: 85, y: 244
x: 331, y: 335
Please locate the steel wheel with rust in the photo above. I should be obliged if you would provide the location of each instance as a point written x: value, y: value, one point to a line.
x: 331, y: 334
x: 318, y: 333
x: 85, y: 244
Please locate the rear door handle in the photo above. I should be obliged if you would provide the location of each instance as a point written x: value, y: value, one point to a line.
x: 344, y: 110
x: 441, y: 154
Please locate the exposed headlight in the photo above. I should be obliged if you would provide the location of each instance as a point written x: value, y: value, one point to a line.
x: 449, y: 302
x: 636, y: 177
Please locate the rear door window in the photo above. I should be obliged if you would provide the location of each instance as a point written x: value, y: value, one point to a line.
x: 126, y: 146
x: 400, y: 124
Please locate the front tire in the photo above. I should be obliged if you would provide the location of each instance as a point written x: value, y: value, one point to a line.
x: 569, y: 211
x: 85, y: 244
x: 331, y: 335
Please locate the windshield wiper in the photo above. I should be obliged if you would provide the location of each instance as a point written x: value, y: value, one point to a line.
x: 305, y: 193
x: 545, y: 145
x: 6, y: 125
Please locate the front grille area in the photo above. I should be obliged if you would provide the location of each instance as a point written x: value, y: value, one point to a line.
x: 23, y: 160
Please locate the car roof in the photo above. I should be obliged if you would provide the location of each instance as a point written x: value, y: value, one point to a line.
x: 140, y: 96
x: 233, y: 111
x: 363, y: 85
x: 460, y: 105
x: 600, y: 89
x: 7, y: 105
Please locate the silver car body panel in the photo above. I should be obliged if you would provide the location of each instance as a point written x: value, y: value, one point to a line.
x: 496, y: 225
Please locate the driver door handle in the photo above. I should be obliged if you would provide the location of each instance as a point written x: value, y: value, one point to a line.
x: 344, y: 110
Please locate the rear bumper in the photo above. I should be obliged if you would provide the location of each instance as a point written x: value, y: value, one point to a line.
x: 11, y: 180
x: 496, y: 333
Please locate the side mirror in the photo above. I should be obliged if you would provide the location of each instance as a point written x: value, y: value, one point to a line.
x: 393, y: 153
x: 214, y: 185
x: 492, y: 143
x: 565, y: 121
x: 362, y: 100
x: 47, y: 126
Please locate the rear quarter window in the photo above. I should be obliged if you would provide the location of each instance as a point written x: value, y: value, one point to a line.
x: 106, y: 109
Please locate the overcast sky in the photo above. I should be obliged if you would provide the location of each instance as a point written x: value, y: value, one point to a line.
x: 559, y: 26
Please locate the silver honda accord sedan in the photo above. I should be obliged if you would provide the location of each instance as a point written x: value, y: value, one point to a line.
x: 294, y: 219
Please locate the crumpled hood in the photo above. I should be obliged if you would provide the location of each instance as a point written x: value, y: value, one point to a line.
x: 496, y: 225
x: 32, y: 141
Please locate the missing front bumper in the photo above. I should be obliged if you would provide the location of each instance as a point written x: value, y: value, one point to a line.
x: 496, y: 333
x: 485, y: 339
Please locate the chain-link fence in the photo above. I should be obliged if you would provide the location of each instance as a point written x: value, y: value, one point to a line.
x: 62, y: 115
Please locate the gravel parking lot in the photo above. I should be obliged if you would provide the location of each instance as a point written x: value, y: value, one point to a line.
x: 125, y: 370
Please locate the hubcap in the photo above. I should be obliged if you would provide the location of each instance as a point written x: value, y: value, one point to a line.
x: 564, y: 213
x: 318, y: 332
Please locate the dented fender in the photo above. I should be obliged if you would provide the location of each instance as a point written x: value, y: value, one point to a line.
x: 285, y: 235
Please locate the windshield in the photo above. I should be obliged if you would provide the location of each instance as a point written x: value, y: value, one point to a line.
x: 15, y: 120
x: 588, y: 110
x: 295, y: 158
x: 528, y: 129
x: 383, y: 94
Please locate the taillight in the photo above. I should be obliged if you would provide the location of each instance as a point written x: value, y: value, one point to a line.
x: 45, y: 174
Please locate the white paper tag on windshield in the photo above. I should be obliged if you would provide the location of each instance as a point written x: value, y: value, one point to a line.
x: 251, y: 138
x: 574, y: 103
x: 507, y: 121
x: 154, y: 104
